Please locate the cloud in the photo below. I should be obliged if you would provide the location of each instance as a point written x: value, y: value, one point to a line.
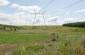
x: 79, y: 11
x: 53, y: 19
x: 4, y: 2
x: 14, y: 19
x: 71, y: 20
x: 31, y: 9
x: 23, y: 18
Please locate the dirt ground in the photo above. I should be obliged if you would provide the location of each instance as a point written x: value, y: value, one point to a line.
x: 5, y: 48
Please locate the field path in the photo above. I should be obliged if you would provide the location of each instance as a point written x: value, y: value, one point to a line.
x: 6, y: 49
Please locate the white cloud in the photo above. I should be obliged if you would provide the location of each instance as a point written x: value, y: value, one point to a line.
x: 16, y: 18
x: 31, y: 9
x: 71, y: 20
x: 23, y: 18
x: 27, y: 19
x: 79, y: 11
x: 4, y: 2
x: 53, y: 19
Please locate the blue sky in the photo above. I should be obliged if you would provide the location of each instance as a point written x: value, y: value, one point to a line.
x: 56, y: 12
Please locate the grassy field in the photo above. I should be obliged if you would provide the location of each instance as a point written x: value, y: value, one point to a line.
x: 37, y: 41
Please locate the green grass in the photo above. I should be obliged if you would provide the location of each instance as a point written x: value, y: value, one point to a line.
x: 37, y: 40
x: 37, y: 34
x: 13, y: 38
x: 71, y: 45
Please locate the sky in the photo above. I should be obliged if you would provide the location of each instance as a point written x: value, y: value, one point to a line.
x: 41, y: 12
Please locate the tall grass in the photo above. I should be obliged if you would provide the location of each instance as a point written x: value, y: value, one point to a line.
x: 65, y: 45
x: 37, y: 41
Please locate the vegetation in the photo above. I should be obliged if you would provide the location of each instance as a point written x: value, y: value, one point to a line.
x: 11, y: 27
x: 76, y: 24
x: 38, y: 41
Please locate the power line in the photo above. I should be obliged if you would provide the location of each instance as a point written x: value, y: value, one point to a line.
x: 67, y: 6
x: 47, y: 5
x: 44, y: 18
x: 72, y: 4
x: 34, y: 17
x: 42, y: 13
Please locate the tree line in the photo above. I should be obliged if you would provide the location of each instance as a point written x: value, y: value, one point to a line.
x: 11, y: 27
x: 75, y: 24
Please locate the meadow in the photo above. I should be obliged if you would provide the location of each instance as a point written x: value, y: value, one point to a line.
x: 37, y: 40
